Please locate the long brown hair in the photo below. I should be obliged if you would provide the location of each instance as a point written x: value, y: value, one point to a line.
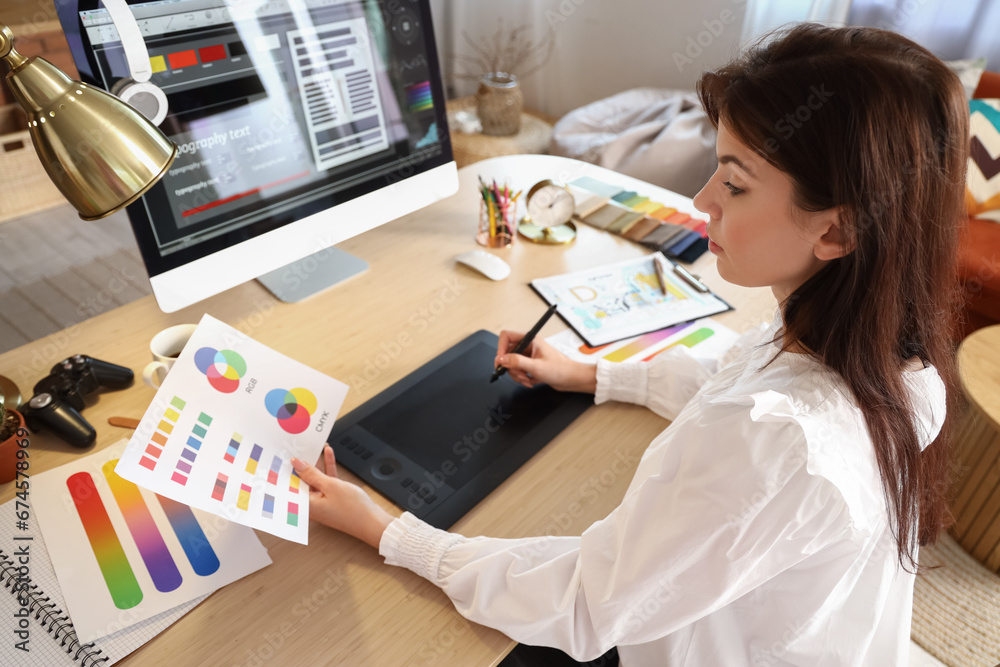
x: 870, y: 122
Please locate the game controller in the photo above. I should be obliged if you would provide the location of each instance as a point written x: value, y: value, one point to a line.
x: 59, y: 397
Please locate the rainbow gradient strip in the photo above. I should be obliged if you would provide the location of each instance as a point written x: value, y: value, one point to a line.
x: 190, y: 451
x: 254, y: 458
x: 159, y: 563
x: 163, y: 430
x: 642, y: 342
x: 233, y: 448
x: 690, y: 340
x: 418, y: 96
x: 197, y: 548
x: 111, y: 559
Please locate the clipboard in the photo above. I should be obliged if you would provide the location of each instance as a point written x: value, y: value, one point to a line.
x: 610, y: 302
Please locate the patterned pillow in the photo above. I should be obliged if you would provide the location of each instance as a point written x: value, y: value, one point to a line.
x: 982, y: 192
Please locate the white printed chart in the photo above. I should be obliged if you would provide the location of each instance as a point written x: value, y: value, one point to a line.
x: 705, y: 338
x: 122, y: 554
x: 222, y: 430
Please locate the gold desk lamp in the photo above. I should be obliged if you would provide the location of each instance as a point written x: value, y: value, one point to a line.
x: 101, y: 153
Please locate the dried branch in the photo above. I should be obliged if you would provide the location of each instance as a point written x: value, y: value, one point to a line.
x: 510, y: 51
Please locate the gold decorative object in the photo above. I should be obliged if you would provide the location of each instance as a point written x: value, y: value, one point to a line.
x: 550, y: 211
x: 101, y: 153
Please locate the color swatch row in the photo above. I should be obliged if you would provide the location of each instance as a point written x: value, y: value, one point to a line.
x: 191, y: 57
x: 163, y: 430
x: 246, y: 490
x: 637, y: 218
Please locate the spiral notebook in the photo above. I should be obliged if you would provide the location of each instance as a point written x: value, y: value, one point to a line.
x: 52, y: 640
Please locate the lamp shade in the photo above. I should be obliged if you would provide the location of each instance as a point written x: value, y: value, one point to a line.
x: 101, y: 153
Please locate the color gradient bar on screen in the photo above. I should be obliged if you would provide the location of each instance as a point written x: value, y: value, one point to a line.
x: 159, y: 563
x: 293, y: 483
x: 219, y: 490
x: 272, y: 474
x: 111, y: 559
x: 268, y: 509
x: 243, y: 501
x: 232, y: 448
x: 254, y: 457
x: 690, y: 340
x: 418, y: 96
x: 190, y: 452
x: 158, y: 440
x: 293, y: 514
x: 196, y: 546
x: 643, y: 342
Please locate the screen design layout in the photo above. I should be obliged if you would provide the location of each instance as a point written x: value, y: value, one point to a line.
x: 280, y: 109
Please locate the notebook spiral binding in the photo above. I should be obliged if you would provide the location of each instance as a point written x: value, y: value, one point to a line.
x: 53, y: 619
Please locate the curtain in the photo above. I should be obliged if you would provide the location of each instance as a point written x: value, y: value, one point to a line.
x: 762, y: 16
x: 950, y: 29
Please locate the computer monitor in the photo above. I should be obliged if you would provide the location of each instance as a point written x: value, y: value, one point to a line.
x: 300, y: 123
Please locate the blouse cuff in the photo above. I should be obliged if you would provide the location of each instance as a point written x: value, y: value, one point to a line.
x: 419, y: 547
x: 621, y: 381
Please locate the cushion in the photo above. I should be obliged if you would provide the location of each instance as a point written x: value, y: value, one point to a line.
x: 982, y: 192
x: 659, y: 136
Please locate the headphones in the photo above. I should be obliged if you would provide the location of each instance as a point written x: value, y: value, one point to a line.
x: 136, y: 90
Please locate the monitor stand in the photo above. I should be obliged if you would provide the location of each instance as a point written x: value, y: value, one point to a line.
x: 313, y: 274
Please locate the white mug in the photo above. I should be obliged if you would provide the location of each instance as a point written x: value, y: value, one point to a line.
x: 166, y: 346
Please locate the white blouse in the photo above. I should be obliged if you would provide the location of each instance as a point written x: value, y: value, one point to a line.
x: 754, y: 532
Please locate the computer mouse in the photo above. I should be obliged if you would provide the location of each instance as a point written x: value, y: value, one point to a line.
x: 486, y: 263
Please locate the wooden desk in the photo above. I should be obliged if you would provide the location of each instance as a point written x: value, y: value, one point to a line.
x: 334, y: 601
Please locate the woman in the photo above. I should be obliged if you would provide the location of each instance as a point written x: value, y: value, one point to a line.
x: 776, y: 521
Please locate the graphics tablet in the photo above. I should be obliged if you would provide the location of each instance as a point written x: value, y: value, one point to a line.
x: 439, y: 440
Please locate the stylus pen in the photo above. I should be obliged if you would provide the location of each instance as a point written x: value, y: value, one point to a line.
x: 520, y: 346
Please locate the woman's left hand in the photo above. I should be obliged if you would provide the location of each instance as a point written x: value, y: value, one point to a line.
x: 342, y: 505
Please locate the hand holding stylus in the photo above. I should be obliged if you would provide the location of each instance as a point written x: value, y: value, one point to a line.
x: 537, y: 362
x: 526, y: 341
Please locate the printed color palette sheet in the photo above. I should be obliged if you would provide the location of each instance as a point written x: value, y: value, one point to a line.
x: 124, y: 554
x: 705, y: 339
x: 222, y: 430
x: 615, y: 301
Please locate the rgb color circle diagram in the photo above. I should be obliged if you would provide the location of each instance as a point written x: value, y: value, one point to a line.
x: 292, y: 408
x: 223, y: 368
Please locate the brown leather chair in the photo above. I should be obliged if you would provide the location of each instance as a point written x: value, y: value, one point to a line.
x: 979, y: 253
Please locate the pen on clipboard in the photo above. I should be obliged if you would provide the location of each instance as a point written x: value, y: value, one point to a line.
x: 520, y: 346
x: 662, y: 263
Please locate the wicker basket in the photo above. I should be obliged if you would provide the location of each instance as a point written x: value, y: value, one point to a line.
x: 26, y: 187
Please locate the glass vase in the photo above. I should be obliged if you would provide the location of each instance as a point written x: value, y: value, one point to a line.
x: 499, y: 102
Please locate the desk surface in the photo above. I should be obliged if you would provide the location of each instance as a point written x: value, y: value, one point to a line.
x: 335, y: 600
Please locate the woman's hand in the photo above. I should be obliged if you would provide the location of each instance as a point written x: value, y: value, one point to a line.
x: 342, y: 505
x: 542, y: 363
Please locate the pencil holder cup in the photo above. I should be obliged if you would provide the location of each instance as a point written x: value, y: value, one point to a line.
x: 496, y: 225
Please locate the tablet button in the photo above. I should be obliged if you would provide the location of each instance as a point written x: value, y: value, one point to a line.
x: 386, y: 468
x: 366, y: 455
